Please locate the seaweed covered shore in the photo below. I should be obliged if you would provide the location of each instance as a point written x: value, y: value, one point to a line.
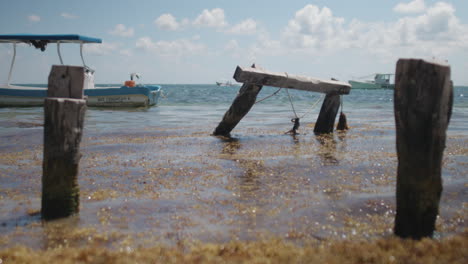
x: 388, y: 250
x: 156, y: 187
x: 166, y: 196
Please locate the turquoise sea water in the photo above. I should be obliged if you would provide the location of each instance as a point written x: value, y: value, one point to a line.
x: 193, y: 106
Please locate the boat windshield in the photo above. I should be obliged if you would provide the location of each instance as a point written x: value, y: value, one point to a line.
x: 382, y: 78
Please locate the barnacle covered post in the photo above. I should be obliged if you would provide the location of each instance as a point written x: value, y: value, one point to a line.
x: 254, y: 79
x: 423, y: 101
x: 64, y: 110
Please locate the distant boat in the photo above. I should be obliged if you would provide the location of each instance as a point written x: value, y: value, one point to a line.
x: 129, y: 94
x: 225, y: 84
x: 380, y: 81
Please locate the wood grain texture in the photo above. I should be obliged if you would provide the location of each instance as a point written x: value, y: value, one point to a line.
x: 423, y: 101
x: 63, y: 126
x: 64, y: 112
x: 66, y: 82
x: 262, y: 77
x: 241, y: 105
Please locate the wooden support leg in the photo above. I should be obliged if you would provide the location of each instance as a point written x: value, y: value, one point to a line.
x: 327, y: 116
x: 63, y: 126
x: 423, y: 101
x: 239, y: 108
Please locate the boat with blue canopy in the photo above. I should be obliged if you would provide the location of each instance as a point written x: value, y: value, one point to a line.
x: 130, y: 93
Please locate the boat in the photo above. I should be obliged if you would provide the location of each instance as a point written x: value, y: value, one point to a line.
x: 225, y: 84
x: 380, y: 81
x: 130, y: 94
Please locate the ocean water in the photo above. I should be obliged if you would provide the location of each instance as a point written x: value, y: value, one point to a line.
x: 158, y: 173
x: 193, y: 106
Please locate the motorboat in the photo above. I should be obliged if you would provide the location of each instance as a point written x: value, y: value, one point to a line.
x: 380, y: 81
x: 130, y: 94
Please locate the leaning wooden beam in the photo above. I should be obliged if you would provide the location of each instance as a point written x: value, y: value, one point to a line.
x: 285, y: 80
x: 327, y: 115
x: 423, y: 101
x: 239, y: 108
x: 63, y: 126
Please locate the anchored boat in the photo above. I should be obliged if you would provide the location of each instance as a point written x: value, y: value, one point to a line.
x: 380, y: 81
x: 224, y: 83
x: 129, y: 94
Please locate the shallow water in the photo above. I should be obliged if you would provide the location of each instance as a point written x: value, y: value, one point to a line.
x: 155, y: 175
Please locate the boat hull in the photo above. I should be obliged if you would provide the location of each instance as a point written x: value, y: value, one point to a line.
x: 140, y: 96
x: 367, y: 85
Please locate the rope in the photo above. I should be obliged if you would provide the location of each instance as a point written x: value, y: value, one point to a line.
x: 263, y: 99
x: 341, y: 102
x: 313, y: 106
x: 292, y: 105
x: 271, y: 95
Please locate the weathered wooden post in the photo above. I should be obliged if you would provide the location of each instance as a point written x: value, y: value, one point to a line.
x: 326, y: 119
x: 241, y: 105
x: 64, y: 110
x: 423, y: 102
x: 254, y: 79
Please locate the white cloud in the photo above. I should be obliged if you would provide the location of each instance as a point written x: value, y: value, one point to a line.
x: 125, y: 52
x: 122, y: 31
x: 34, y: 18
x: 175, y: 48
x: 267, y: 46
x: 415, y: 6
x: 68, y: 15
x: 246, y: 27
x: 232, y: 45
x: 101, y: 49
x: 232, y: 49
x: 434, y: 33
x: 211, y: 18
x: 316, y: 33
x: 313, y: 27
x: 167, y: 22
x: 439, y: 22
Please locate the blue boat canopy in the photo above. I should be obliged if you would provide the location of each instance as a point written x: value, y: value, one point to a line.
x: 62, y: 38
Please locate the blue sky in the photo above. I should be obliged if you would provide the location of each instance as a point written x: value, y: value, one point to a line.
x: 203, y: 41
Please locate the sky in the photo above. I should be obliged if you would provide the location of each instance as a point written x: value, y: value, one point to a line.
x: 175, y: 41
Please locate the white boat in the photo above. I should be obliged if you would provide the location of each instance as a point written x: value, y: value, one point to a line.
x: 225, y: 83
x: 380, y: 81
x: 130, y: 93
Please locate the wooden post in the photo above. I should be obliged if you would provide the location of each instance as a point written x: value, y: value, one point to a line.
x: 64, y: 111
x: 423, y: 102
x: 327, y: 115
x: 241, y: 105
x: 239, y: 108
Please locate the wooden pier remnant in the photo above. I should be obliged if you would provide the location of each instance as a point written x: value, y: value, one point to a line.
x: 326, y: 119
x: 255, y: 78
x: 291, y: 81
x: 241, y: 105
x: 64, y: 110
x: 423, y: 101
